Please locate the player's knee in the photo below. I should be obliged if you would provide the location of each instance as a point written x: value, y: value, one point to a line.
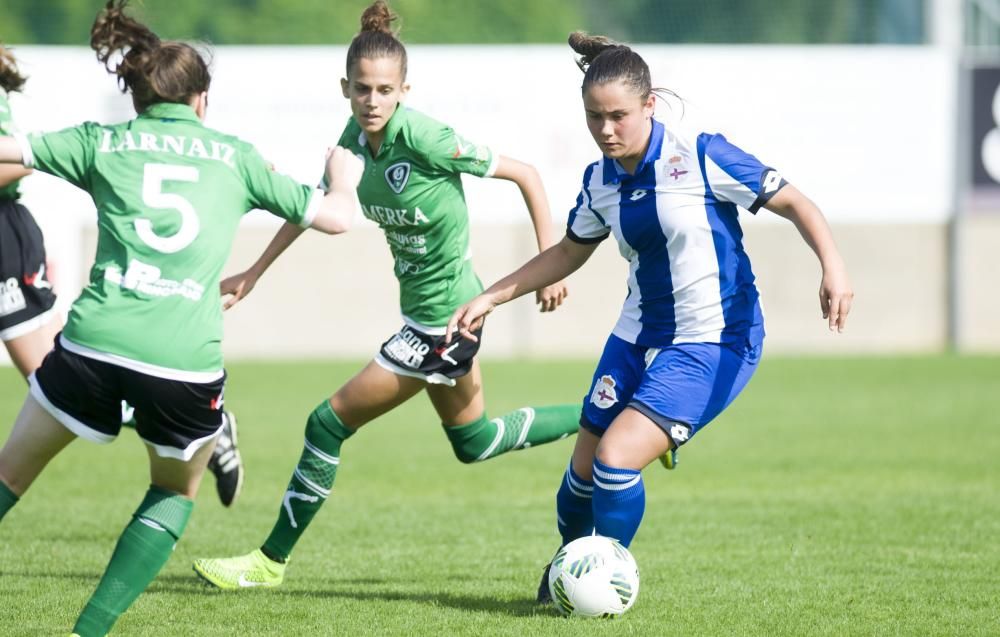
x: 610, y: 455
x: 474, y: 441
x: 323, y: 425
x: 165, y: 510
x: 466, y: 451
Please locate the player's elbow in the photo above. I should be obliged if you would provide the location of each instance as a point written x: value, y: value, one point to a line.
x: 336, y: 215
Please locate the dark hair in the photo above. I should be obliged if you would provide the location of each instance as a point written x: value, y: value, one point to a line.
x: 377, y: 39
x: 10, y: 78
x: 152, y: 69
x: 603, y: 60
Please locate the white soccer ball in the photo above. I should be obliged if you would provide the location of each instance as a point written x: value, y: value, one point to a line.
x: 593, y: 576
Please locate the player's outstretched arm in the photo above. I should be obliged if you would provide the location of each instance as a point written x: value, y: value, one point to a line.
x: 335, y: 215
x: 340, y: 203
x: 554, y: 264
x: 533, y: 191
x: 835, y: 291
x: 238, y: 286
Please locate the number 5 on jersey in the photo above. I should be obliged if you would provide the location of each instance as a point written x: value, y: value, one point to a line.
x: 153, y: 197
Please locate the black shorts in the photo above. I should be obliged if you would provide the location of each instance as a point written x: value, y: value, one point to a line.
x: 26, y: 297
x: 412, y: 352
x: 174, y: 417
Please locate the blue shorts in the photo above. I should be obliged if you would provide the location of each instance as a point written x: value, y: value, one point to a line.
x: 681, y: 387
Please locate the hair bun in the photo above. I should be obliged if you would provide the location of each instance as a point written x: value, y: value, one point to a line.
x: 378, y: 17
x: 589, y: 46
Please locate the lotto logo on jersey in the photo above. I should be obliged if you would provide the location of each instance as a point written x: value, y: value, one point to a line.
x: 604, y: 394
x: 680, y: 432
x: 397, y: 175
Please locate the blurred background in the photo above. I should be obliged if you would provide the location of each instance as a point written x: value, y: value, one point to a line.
x: 885, y: 112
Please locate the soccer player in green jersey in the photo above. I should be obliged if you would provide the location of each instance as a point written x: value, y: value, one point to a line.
x: 169, y: 194
x: 412, y: 188
x: 29, y: 321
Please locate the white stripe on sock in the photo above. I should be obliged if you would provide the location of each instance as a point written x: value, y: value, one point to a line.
x: 325, y: 457
x: 496, y: 441
x: 615, y: 486
x: 312, y: 485
x: 529, y: 419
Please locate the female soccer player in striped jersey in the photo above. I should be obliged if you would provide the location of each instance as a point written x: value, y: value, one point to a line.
x: 412, y: 188
x: 691, y: 330
x: 147, y: 328
x: 29, y: 321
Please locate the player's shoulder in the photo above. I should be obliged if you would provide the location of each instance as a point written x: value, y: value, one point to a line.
x: 593, y: 172
x: 418, y: 128
x: 351, y: 136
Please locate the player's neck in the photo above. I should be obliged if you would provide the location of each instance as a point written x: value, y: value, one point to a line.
x: 375, y: 141
x: 631, y: 162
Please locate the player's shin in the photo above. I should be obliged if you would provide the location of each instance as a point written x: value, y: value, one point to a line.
x: 619, y: 502
x: 7, y: 499
x: 141, y: 552
x: 520, y: 429
x: 311, y: 481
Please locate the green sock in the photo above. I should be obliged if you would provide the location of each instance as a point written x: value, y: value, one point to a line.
x: 526, y: 427
x: 311, y: 481
x: 7, y: 499
x: 142, y: 550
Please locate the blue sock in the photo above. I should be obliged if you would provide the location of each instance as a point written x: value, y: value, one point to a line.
x: 574, y: 510
x: 619, y: 501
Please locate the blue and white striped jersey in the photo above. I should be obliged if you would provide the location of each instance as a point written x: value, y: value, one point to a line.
x: 676, y: 223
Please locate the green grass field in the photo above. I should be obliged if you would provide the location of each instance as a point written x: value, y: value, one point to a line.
x: 835, y: 497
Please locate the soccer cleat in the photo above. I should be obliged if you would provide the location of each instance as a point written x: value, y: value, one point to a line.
x: 226, y: 464
x: 669, y: 459
x: 246, y: 571
x: 544, y: 594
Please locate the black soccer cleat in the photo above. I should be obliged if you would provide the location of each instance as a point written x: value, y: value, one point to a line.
x: 544, y: 595
x: 226, y: 464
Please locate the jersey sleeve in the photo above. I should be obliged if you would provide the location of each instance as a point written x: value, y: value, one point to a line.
x: 736, y: 176
x: 279, y: 194
x: 447, y: 151
x: 68, y: 154
x: 586, y: 225
x: 6, y: 121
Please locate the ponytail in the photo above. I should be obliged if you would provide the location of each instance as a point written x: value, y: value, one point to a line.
x: 151, y: 69
x: 10, y: 78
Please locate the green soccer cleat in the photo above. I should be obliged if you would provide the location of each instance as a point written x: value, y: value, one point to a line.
x: 246, y: 571
x: 669, y: 459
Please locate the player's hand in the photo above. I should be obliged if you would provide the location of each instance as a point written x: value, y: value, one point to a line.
x: 236, y: 287
x: 551, y: 297
x: 835, y: 296
x: 343, y: 170
x: 469, y: 318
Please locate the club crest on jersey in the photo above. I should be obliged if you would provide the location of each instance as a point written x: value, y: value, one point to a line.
x: 604, y: 394
x: 397, y: 175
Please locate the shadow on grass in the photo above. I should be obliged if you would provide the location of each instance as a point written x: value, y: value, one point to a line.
x: 367, y: 589
x: 347, y: 589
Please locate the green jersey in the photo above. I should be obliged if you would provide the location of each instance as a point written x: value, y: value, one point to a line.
x: 412, y: 188
x: 169, y: 195
x: 7, y: 128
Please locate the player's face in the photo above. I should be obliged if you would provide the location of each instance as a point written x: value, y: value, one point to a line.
x: 618, y: 119
x: 374, y: 87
